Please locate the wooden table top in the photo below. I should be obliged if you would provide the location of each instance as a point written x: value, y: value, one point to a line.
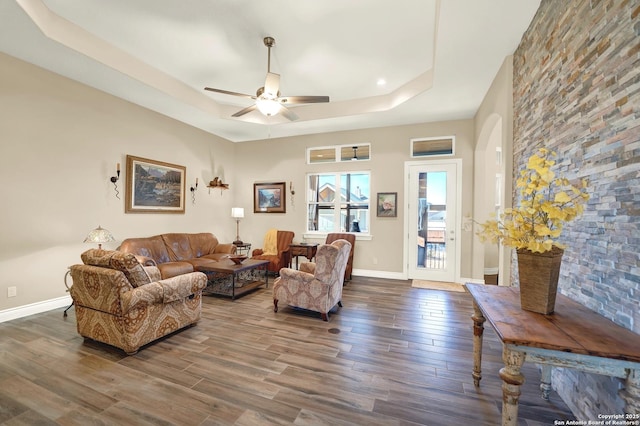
x: 228, y: 266
x: 571, y: 328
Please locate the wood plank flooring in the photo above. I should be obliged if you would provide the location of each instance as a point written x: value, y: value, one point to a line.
x: 393, y: 355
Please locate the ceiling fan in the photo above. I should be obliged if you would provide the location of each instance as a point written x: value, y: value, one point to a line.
x: 268, y: 99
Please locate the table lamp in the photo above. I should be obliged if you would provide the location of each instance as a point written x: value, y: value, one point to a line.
x: 237, y: 213
x: 99, y: 235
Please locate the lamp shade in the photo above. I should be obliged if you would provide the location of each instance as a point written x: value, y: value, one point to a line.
x: 99, y: 235
x: 237, y: 212
x: 268, y: 106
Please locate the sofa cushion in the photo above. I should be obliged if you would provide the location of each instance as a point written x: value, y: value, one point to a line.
x: 172, y: 269
x: 178, y: 246
x: 203, y: 243
x: 123, y: 262
x: 203, y: 261
x: 216, y: 256
x: 152, y: 247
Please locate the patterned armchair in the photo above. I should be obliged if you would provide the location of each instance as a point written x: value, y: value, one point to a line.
x: 275, y: 250
x: 126, y: 305
x: 319, y: 290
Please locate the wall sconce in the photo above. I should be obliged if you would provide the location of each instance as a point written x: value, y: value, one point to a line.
x: 292, y: 192
x: 193, y: 190
x: 237, y: 213
x: 115, y: 179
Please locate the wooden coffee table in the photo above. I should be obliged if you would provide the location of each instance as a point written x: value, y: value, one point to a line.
x: 228, y: 279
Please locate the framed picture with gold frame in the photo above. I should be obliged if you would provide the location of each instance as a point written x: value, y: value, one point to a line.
x: 154, y: 186
x: 270, y: 197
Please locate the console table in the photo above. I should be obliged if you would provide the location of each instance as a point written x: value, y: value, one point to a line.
x: 243, y: 248
x: 306, y: 250
x: 571, y: 337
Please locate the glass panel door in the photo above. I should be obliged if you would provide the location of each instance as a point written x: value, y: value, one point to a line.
x: 432, y: 220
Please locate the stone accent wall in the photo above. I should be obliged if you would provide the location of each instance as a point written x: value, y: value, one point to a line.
x: 577, y: 92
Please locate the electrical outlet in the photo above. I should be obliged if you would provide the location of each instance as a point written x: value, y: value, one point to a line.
x: 12, y: 291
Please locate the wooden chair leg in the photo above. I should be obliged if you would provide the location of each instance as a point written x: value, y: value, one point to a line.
x: 325, y: 317
x: 275, y: 305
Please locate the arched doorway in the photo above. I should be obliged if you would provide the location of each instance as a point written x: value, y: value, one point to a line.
x: 491, y: 177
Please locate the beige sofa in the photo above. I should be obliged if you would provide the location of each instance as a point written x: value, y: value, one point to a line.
x: 177, y: 253
x: 126, y: 305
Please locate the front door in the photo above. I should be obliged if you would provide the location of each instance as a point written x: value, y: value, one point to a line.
x: 432, y: 210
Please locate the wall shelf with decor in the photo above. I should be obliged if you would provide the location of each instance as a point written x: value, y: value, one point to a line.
x: 216, y: 183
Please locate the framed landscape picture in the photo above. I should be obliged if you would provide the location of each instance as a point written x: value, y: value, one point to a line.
x: 387, y: 204
x: 269, y: 197
x: 154, y: 186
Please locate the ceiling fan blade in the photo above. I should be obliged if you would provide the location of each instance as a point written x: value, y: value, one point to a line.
x: 303, y: 99
x: 245, y: 111
x: 272, y: 85
x: 288, y: 114
x: 226, y: 92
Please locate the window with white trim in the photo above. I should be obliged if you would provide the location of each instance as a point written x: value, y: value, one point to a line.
x: 338, y: 202
x: 430, y: 147
x: 339, y: 153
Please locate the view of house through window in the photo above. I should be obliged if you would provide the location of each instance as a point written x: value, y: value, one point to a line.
x: 338, y: 202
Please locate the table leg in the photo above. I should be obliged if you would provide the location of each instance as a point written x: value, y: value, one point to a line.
x: 512, y: 379
x: 266, y: 277
x: 233, y: 287
x: 478, y: 330
x: 545, y: 381
x: 631, y: 393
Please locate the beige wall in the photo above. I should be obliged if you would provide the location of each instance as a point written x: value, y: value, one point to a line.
x: 59, y: 144
x: 494, y: 120
x: 284, y: 160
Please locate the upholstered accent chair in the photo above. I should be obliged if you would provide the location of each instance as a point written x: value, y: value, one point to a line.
x: 352, y: 239
x: 126, y: 305
x: 275, y: 249
x: 319, y: 290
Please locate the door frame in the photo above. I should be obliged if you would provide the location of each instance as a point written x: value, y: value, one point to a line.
x: 458, y: 214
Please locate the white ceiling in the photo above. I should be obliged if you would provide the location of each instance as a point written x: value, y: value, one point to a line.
x: 438, y: 57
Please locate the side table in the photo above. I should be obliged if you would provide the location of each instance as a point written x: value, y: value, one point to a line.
x: 306, y: 250
x: 572, y: 337
x: 244, y: 248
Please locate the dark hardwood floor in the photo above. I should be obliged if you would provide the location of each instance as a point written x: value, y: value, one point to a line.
x: 393, y: 355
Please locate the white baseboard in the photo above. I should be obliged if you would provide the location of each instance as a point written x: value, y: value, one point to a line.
x: 379, y: 274
x: 471, y: 280
x: 491, y: 271
x: 63, y: 302
x: 401, y: 276
x: 34, y: 308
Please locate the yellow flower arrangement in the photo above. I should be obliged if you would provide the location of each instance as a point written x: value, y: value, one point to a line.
x: 546, y: 203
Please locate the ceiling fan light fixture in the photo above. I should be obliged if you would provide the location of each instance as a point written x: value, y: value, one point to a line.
x: 268, y: 107
x: 267, y: 97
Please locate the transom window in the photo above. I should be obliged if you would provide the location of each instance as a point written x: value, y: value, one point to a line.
x: 339, y: 153
x: 338, y: 202
x: 429, y: 147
